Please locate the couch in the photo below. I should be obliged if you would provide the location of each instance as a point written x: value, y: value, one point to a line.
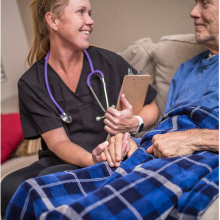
x: 160, y: 60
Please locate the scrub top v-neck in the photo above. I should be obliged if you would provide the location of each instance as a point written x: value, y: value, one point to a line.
x: 39, y: 114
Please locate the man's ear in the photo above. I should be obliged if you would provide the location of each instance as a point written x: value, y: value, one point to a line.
x: 51, y: 21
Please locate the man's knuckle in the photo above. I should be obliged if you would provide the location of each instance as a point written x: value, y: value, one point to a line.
x: 159, y: 146
x: 120, y: 135
x: 155, y: 137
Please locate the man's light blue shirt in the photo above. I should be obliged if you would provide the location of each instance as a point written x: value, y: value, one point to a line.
x: 196, y: 83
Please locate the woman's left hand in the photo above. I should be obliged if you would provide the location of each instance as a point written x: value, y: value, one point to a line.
x: 121, y: 121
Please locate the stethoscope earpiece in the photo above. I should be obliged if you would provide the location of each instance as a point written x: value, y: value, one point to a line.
x: 98, y: 118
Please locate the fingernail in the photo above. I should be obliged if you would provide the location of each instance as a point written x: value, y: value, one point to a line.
x: 118, y: 158
x: 123, y: 95
x: 117, y: 164
x: 111, y: 164
x: 107, y: 143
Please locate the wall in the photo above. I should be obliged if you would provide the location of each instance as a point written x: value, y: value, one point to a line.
x: 118, y: 23
x: 121, y: 22
x: 14, y: 47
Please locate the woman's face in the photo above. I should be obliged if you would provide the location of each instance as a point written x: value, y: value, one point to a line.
x: 75, y: 25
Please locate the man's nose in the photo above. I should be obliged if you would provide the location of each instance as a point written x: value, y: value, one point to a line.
x: 195, y: 13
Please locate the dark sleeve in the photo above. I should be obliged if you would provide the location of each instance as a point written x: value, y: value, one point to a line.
x: 151, y: 92
x: 37, y: 113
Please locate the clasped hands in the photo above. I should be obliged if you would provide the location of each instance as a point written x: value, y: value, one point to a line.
x: 173, y: 144
x: 114, y: 150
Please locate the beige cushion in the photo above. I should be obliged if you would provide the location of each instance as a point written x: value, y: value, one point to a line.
x: 16, y: 164
x: 212, y: 212
x: 139, y: 55
x: 168, y: 54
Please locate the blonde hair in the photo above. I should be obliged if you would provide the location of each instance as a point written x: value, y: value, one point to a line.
x: 41, y: 42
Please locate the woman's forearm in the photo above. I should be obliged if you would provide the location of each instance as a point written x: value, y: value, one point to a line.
x: 149, y: 114
x: 73, y: 154
x: 59, y: 143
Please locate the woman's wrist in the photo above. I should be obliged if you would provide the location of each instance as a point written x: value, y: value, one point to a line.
x: 89, y: 160
x: 134, y: 124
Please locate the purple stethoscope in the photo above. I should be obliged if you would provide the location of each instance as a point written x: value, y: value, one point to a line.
x: 64, y: 116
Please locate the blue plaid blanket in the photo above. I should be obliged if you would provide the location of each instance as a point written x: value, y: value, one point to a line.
x: 143, y: 187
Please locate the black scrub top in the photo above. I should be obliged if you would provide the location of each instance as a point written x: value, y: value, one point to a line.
x: 39, y: 114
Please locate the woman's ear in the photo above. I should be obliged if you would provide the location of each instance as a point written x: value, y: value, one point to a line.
x: 51, y: 21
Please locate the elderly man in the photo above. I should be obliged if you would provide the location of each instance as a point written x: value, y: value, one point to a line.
x: 194, y: 84
x: 172, y: 186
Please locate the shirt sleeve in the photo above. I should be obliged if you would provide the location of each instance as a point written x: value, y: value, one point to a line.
x: 151, y: 92
x: 37, y: 112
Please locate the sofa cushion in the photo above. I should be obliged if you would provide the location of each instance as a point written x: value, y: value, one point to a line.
x: 28, y: 147
x: 11, y: 134
x: 10, y: 105
x: 17, y: 163
x: 168, y: 54
x: 139, y: 55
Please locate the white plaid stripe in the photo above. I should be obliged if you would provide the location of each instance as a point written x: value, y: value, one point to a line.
x: 211, y: 183
x: 64, y: 210
x: 198, y: 163
x: 165, y: 214
x: 96, y: 204
x: 127, y: 204
x: 175, y: 126
x: 108, y: 168
x: 35, y: 185
x: 164, y: 181
x: 79, y: 184
x: 121, y: 171
x: 42, y: 194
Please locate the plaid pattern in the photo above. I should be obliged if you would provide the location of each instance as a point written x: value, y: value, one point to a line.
x: 143, y: 187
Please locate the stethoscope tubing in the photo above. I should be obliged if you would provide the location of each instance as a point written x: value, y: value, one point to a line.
x: 63, y: 115
x: 47, y: 84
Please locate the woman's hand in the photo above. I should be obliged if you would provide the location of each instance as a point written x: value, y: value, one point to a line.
x: 121, y: 121
x: 97, y: 154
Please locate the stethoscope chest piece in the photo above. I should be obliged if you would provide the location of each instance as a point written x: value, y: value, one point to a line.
x: 66, y: 118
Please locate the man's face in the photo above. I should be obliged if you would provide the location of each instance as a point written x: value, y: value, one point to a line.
x: 206, y: 20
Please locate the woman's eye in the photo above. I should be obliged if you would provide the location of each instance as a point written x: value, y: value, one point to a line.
x: 81, y: 11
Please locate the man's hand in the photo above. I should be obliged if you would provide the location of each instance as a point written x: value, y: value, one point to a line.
x: 182, y: 143
x: 119, y: 146
x: 120, y: 121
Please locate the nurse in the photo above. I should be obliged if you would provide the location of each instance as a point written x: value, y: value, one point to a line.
x: 64, y: 28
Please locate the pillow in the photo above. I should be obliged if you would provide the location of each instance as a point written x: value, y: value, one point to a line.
x: 27, y: 147
x: 11, y: 134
